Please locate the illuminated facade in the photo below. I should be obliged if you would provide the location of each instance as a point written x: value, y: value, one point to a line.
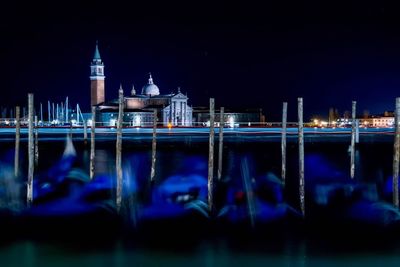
x: 172, y: 109
x: 378, y: 122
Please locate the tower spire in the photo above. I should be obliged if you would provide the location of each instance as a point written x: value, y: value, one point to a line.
x: 96, y: 52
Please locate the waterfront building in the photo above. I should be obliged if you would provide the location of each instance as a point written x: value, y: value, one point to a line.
x: 232, y: 118
x: 172, y: 109
x: 378, y: 121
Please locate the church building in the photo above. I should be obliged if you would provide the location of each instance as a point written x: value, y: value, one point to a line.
x: 172, y: 109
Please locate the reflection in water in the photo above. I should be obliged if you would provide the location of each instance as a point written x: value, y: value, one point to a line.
x: 10, y: 193
x: 357, y: 162
x: 103, y: 162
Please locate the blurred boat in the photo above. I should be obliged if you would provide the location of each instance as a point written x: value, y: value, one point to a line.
x: 355, y: 207
x: 67, y: 203
x: 256, y: 203
x: 178, y: 206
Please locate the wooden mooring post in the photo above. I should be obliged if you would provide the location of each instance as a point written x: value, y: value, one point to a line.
x: 31, y: 151
x: 283, y: 142
x: 396, y: 155
x: 36, y: 141
x: 119, y: 149
x: 153, y: 147
x: 353, y: 138
x: 92, y: 142
x: 301, y: 154
x: 84, y: 123
x: 211, y: 158
x: 357, y: 131
x: 84, y: 131
x: 17, y: 140
x: 220, y: 142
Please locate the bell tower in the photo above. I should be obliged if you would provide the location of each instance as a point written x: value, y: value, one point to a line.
x: 96, y: 78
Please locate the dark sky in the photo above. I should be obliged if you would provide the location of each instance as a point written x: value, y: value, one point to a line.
x: 244, y: 55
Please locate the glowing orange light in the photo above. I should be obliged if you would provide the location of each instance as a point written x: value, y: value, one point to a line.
x: 169, y: 125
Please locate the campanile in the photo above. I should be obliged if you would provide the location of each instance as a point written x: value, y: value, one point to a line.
x: 96, y: 78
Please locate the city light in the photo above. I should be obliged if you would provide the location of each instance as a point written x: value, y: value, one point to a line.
x: 113, y: 122
x: 231, y: 122
x: 137, y: 120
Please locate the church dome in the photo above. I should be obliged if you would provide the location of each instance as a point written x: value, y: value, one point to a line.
x: 150, y: 88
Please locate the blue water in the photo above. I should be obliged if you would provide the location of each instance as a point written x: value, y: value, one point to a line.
x: 327, y: 157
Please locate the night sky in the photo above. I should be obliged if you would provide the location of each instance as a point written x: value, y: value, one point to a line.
x: 245, y: 55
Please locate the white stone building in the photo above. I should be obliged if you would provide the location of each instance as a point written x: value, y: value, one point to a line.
x: 172, y: 109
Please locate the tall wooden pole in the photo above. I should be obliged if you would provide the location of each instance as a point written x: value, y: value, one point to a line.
x: 36, y: 142
x: 220, y: 142
x: 211, y: 157
x: 357, y: 131
x: 283, y: 141
x: 119, y: 149
x: 153, y: 147
x: 31, y: 151
x: 301, y: 155
x: 353, y: 138
x: 92, y: 142
x: 17, y: 140
x: 84, y: 122
x: 396, y: 155
x: 84, y: 131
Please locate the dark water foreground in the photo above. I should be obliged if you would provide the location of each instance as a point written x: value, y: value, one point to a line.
x: 98, y: 242
x: 33, y: 254
x: 215, y: 252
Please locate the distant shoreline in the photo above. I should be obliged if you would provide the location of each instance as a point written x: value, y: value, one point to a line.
x: 201, y: 134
